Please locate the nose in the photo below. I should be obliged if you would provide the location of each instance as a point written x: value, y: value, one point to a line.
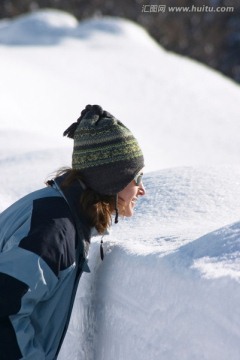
x: 141, y: 189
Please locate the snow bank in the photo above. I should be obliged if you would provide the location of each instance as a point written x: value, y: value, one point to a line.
x: 157, y: 308
x: 165, y: 290
x: 182, y: 112
x: 169, y: 284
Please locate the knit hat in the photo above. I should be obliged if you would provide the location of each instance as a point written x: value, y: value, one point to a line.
x: 105, y: 151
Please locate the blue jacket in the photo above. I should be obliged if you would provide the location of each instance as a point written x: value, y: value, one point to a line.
x: 44, y: 241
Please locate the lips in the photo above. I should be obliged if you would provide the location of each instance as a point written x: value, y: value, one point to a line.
x: 134, y: 200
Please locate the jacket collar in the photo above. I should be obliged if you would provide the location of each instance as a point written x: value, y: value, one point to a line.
x: 72, y: 196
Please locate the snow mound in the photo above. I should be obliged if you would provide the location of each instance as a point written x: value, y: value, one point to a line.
x: 181, y: 205
x: 217, y: 254
x: 28, y: 29
x: 115, y: 27
x: 47, y: 27
x: 170, y: 306
x: 181, y: 112
x: 169, y: 284
x: 165, y: 283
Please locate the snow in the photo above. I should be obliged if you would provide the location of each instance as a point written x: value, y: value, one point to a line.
x: 169, y: 285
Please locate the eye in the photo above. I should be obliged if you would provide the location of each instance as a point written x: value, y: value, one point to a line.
x: 138, y: 179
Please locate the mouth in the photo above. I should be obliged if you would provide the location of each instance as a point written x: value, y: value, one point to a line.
x: 133, y: 202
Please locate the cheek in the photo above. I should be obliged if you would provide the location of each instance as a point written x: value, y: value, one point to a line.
x: 128, y: 193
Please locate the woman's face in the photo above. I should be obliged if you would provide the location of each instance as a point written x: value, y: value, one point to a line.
x: 128, y: 197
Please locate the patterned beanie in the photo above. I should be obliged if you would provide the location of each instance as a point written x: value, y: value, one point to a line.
x: 105, y: 151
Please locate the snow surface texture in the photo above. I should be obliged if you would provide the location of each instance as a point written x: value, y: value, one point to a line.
x: 169, y: 286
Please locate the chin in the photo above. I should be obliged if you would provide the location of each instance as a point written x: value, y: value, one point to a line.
x: 126, y: 211
x: 129, y: 213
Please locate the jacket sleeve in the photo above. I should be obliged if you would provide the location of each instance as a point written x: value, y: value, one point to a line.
x: 32, y: 264
x: 11, y: 291
x: 25, y: 280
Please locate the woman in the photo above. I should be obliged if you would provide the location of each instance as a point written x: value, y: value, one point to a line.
x: 44, y: 237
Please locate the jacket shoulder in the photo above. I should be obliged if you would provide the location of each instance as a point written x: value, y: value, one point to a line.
x: 52, y: 234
